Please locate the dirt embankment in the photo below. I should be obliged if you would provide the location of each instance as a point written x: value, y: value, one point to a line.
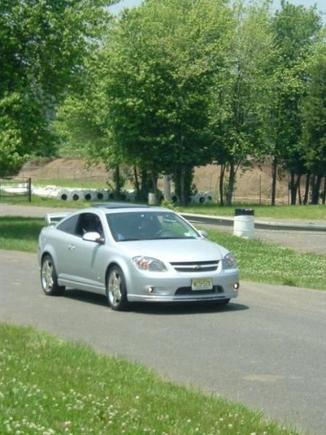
x: 253, y: 185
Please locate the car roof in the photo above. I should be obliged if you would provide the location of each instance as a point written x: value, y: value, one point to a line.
x: 115, y: 205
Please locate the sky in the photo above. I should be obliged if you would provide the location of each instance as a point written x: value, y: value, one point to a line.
x: 321, y: 4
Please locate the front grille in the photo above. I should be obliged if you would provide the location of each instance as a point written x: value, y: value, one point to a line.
x: 188, y: 291
x: 196, y: 266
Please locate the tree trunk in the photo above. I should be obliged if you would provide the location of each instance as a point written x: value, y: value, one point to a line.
x: 136, y: 182
x: 299, y: 189
x: 294, y: 188
x: 274, y: 177
x: 231, y: 182
x: 182, y: 177
x: 167, y: 187
x: 221, y: 184
x: 144, y: 185
x: 316, y: 189
x: 183, y: 199
x: 306, y: 192
x: 324, y: 192
x: 117, y: 182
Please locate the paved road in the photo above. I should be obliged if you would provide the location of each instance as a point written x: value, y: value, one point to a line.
x: 267, y: 349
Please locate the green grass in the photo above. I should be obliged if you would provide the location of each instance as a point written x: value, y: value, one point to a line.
x: 258, y: 261
x: 311, y: 212
x: 48, y: 386
x: 74, y: 182
x: 44, y: 202
x: 270, y: 263
x: 20, y: 233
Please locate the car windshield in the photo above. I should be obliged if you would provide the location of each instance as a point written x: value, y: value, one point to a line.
x: 149, y: 226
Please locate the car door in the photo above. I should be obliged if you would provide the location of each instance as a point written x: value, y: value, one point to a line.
x: 86, y: 257
x: 63, y: 241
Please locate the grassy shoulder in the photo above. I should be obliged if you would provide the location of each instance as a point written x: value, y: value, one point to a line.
x: 20, y: 233
x: 43, y: 202
x: 307, y: 212
x: 258, y: 261
x: 49, y: 386
x: 270, y: 263
x: 311, y: 212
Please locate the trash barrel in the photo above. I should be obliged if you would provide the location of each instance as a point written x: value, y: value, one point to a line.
x: 244, y: 223
x: 152, y: 199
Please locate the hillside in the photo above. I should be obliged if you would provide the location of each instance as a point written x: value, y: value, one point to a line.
x: 252, y: 185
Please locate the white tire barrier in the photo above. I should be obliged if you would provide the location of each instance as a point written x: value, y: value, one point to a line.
x: 64, y: 195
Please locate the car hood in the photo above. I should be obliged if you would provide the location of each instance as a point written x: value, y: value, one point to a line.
x: 176, y: 250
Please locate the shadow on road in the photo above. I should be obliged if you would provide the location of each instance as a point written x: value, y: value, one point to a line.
x: 88, y: 297
x: 187, y: 308
x: 177, y: 308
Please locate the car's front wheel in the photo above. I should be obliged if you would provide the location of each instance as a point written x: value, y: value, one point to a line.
x: 116, y: 289
x: 49, y: 279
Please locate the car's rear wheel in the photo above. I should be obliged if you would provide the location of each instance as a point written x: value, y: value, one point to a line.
x: 49, y: 279
x: 116, y: 289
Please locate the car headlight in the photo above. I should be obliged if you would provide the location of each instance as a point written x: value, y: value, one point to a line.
x: 229, y: 262
x: 148, y: 263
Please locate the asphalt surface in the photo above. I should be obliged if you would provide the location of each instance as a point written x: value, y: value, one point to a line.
x: 267, y: 349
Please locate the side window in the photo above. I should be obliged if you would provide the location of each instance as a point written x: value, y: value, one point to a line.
x: 69, y: 225
x: 89, y: 222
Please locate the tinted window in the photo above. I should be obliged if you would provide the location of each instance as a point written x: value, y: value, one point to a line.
x: 69, y: 225
x: 149, y: 226
x: 89, y: 222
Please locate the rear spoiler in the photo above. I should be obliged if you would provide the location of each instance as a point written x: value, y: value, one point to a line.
x: 54, y: 218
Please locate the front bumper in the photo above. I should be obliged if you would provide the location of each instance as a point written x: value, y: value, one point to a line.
x: 176, y: 287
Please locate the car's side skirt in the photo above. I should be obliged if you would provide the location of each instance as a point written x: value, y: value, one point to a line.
x: 89, y: 286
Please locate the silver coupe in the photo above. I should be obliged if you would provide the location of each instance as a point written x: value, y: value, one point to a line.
x: 133, y: 253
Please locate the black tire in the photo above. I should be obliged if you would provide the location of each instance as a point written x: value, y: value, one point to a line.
x: 49, y: 280
x: 116, y: 289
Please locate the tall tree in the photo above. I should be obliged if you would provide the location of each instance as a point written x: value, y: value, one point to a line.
x: 42, y: 47
x: 295, y: 31
x: 314, y: 119
x: 159, y: 73
x: 239, y: 93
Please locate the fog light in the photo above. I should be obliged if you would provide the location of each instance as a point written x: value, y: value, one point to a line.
x: 150, y: 290
x: 236, y: 286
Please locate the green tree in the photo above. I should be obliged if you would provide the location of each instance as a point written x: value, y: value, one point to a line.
x: 239, y: 94
x: 159, y: 73
x: 42, y: 50
x: 314, y: 120
x: 295, y: 31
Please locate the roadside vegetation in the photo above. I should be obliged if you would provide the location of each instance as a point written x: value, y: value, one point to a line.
x: 258, y: 261
x: 37, y: 201
x: 73, y: 183
x: 19, y: 233
x: 311, y: 212
x: 270, y: 263
x: 165, y: 87
x: 49, y: 386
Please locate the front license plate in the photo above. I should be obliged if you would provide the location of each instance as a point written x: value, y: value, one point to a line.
x: 201, y: 284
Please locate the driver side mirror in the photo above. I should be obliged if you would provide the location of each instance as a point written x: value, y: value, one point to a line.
x: 93, y: 236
